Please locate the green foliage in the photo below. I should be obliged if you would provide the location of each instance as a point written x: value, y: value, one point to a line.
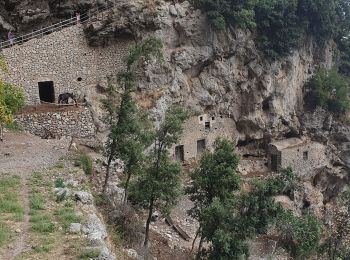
x: 43, y: 227
x: 36, y: 202
x: 59, y: 183
x: 227, y: 233
x: 90, y: 254
x: 159, y: 182
x: 5, y: 234
x: 301, y: 236
x: 66, y: 216
x: 151, y: 47
x: 129, y: 135
x: 282, y: 25
x: 216, y: 176
x: 258, y: 206
x: 84, y: 161
x: 336, y: 244
x: 330, y: 90
x: 11, y: 101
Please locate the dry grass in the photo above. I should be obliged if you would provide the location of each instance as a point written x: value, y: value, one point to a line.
x: 148, y: 99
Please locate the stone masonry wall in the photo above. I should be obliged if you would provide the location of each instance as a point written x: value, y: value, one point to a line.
x: 293, y: 157
x: 77, y: 122
x: 62, y: 57
x: 194, y: 130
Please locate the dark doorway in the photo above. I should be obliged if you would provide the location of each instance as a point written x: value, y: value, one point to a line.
x: 179, y: 153
x: 274, y: 162
x: 200, y: 146
x: 46, y: 91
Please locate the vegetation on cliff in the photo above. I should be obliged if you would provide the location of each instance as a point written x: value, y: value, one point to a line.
x: 281, y: 25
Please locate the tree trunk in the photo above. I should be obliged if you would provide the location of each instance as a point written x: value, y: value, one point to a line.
x: 199, y: 248
x: 150, y: 212
x: 126, y: 187
x: 194, y: 240
x: 107, y: 174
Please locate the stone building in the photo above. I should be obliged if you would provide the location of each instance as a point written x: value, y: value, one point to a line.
x: 61, y: 62
x: 200, y: 132
x: 302, y: 155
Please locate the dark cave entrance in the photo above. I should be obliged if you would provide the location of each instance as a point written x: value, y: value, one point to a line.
x: 46, y: 91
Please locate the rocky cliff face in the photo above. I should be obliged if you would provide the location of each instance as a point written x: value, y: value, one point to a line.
x: 215, y: 72
x: 23, y: 16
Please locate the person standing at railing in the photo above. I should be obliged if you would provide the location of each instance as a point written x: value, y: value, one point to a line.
x: 10, y: 37
x: 77, y: 15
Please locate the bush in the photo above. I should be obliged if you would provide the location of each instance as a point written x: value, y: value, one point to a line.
x: 84, y: 161
x: 282, y: 25
x: 329, y: 90
x: 301, y: 236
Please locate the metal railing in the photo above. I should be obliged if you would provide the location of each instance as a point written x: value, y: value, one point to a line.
x: 55, y: 27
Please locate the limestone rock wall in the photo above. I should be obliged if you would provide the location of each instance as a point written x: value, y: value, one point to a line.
x: 65, y: 58
x: 215, y: 72
x: 77, y: 123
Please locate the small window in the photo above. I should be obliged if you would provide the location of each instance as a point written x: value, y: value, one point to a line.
x: 80, y: 79
x: 201, y: 118
x: 305, y: 155
x: 213, y: 118
x: 207, y: 125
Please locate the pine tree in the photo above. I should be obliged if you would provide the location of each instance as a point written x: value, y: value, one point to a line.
x: 159, y: 183
x: 128, y: 134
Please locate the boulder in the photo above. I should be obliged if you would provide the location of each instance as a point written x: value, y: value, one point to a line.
x: 84, y: 197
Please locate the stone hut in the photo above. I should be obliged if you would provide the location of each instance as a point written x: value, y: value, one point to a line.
x: 302, y: 155
x: 200, y: 133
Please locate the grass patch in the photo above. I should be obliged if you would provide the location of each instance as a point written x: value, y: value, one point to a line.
x: 84, y: 161
x: 66, y: 216
x: 5, y: 234
x: 59, y: 165
x: 14, y: 126
x: 43, y: 248
x: 90, y: 253
x: 36, y: 202
x: 9, y: 202
x: 39, y: 218
x: 43, y: 227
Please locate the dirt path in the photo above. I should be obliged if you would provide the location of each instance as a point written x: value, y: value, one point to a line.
x: 21, y: 154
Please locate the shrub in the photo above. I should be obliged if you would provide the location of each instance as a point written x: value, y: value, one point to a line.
x: 301, y: 236
x: 329, y: 90
x: 84, y: 161
x: 59, y: 183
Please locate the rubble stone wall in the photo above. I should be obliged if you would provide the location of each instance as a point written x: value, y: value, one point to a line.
x: 65, y: 58
x: 77, y: 123
x: 194, y: 130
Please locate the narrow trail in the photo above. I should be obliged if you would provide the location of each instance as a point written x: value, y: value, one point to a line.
x: 19, y: 245
x: 22, y: 154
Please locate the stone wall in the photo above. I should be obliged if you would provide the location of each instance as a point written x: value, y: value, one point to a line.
x: 77, y: 122
x: 195, y: 129
x: 303, y: 158
x: 65, y: 58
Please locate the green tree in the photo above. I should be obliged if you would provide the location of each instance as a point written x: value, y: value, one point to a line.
x: 226, y: 230
x: 128, y: 136
x: 215, y: 177
x: 330, y: 90
x: 11, y: 99
x: 158, y: 184
x: 301, y: 236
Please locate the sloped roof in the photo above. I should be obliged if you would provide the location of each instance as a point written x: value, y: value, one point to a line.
x: 288, y: 143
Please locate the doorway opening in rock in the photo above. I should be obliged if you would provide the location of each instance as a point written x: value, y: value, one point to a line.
x: 46, y: 91
x: 179, y: 153
x: 200, y: 146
